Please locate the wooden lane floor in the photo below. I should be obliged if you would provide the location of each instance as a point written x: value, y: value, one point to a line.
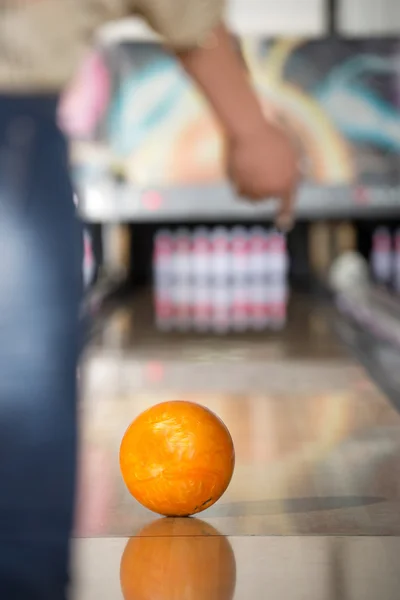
x: 318, y: 464
x: 325, y: 464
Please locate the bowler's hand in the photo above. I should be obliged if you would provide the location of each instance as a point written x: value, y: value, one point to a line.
x: 265, y: 164
x: 262, y: 161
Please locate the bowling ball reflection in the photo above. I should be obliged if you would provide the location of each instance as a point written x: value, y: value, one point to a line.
x: 178, y: 559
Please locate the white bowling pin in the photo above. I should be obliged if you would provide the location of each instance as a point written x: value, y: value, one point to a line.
x: 220, y: 279
x: 240, y: 278
x: 258, y: 273
x: 182, y: 279
x: 201, y: 290
x: 163, y: 278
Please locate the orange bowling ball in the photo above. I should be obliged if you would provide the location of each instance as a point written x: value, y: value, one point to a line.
x: 178, y: 559
x: 177, y: 458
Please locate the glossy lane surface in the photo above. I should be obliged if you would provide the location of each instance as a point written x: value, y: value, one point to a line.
x: 317, y: 458
x: 277, y: 568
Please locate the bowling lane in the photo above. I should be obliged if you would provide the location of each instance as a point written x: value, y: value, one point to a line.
x: 318, y: 454
x: 218, y: 568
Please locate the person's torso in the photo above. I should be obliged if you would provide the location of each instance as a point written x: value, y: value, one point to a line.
x: 42, y: 41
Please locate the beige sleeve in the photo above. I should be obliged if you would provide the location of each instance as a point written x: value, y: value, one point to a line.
x: 182, y: 23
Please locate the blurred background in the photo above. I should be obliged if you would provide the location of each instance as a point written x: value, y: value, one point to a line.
x: 165, y: 233
x: 294, y: 340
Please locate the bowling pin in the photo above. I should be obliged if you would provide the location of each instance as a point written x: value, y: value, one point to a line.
x: 163, y: 278
x: 259, y: 283
x: 182, y: 279
x: 260, y: 309
x: 220, y: 280
x: 240, y: 278
x: 162, y: 255
x: 381, y: 255
x: 278, y: 280
x: 201, y: 291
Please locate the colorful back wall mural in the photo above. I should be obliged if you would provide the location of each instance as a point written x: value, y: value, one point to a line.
x: 340, y: 99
